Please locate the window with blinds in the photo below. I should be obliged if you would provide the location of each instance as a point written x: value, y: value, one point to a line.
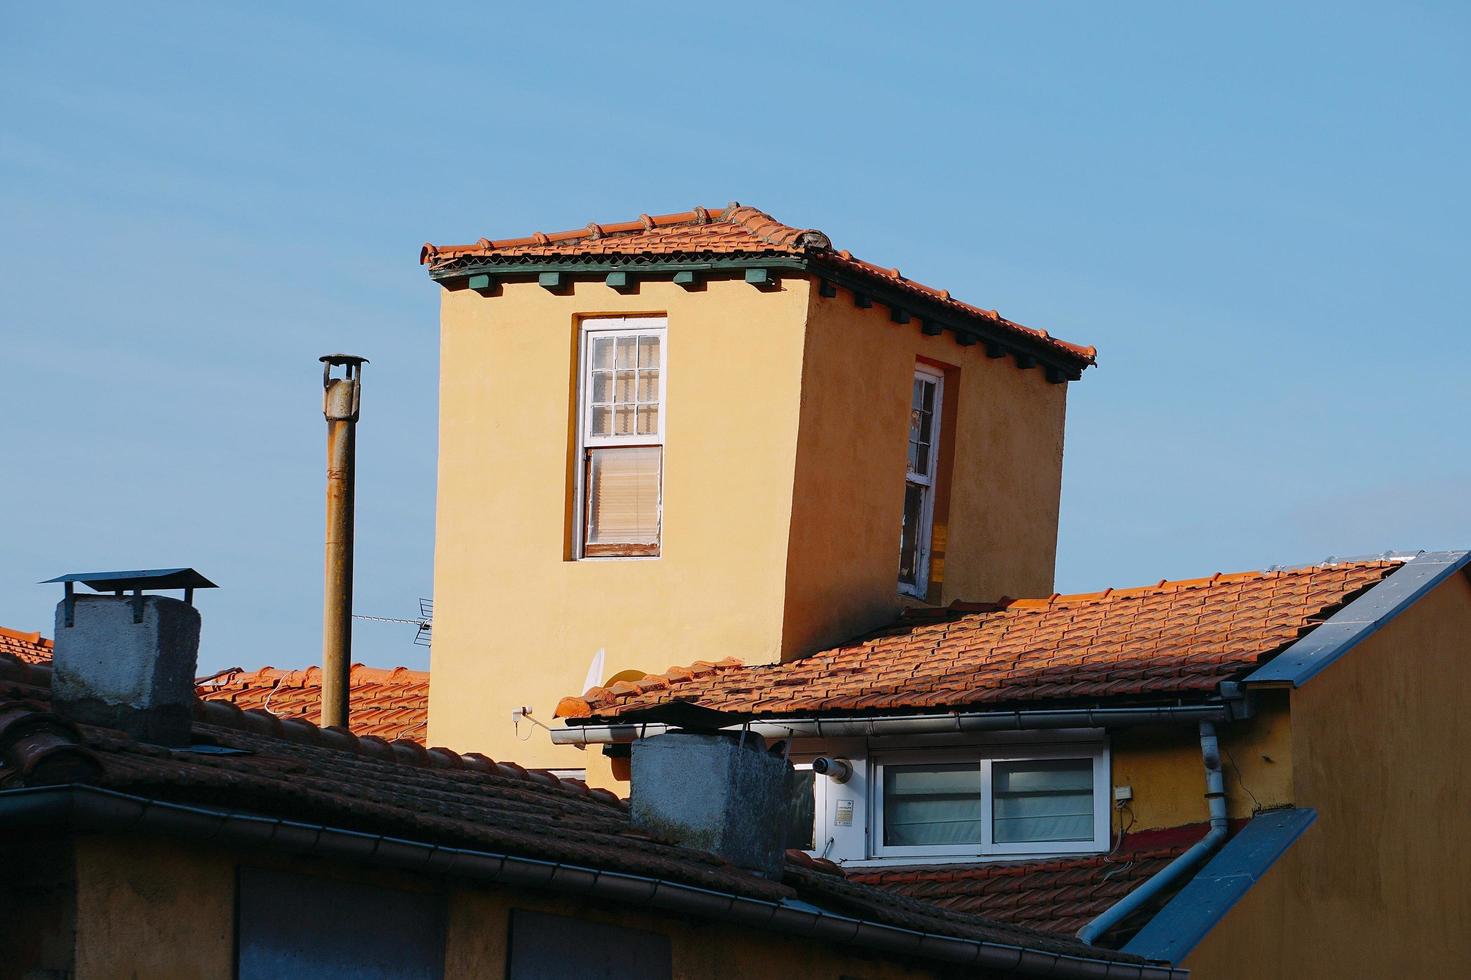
x: 622, y: 437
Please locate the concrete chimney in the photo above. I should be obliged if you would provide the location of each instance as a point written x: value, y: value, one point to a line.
x: 127, y: 662
x: 714, y: 791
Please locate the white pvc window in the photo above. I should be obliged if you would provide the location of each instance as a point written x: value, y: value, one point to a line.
x: 917, y: 527
x: 621, y: 437
x: 1049, y: 801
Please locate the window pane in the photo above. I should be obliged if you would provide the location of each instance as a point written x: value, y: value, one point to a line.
x: 909, y: 533
x: 939, y: 804
x: 1041, y: 801
x: 648, y: 386
x: 803, y: 810
x: 648, y: 420
x: 623, y: 420
x: 648, y: 352
x: 624, y: 389
x: 602, y: 387
x: 627, y: 356
x: 601, y: 423
x: 623, y: 497
x: 602, y: 353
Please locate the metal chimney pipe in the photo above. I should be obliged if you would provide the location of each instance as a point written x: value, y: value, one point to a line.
x: 341, y: 399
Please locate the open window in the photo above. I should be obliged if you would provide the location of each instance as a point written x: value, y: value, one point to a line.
x: 992, y: 802
x: 919, y: 481
x: 621, y: 437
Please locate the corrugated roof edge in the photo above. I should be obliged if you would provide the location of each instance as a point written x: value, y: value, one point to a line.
x: 1187, y: 918
x: 1361, y: 618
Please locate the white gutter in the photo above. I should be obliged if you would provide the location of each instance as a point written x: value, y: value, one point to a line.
x: 933, y: 724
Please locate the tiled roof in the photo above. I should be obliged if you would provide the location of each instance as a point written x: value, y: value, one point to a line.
x: 1168, y: 639
x: 388, y: 703
x: 297, y: 771
x: 1059, y: 896
x: 733, y: 230
x: 31, y: 648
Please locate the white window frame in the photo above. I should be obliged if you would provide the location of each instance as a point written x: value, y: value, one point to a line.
x: 985, y: 757
x: 615, y: 327
x: 921, y: 585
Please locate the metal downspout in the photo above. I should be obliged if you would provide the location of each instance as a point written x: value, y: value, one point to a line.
x: 1215, y: 795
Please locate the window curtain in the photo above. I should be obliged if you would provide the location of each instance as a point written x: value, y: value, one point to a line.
x: 932, y: 804
x: 1042, y: 801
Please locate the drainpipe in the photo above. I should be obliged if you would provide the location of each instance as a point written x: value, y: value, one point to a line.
x: 1215, y: 795
x: 341, y: 398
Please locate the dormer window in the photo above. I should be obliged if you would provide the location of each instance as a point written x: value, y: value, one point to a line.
x: 621, y: 443
x: 919, y: 481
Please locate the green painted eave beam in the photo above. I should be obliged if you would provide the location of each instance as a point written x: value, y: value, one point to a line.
x: 689, y: 273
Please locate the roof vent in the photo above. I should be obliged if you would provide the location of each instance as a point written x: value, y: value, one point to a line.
x: 128, y: 661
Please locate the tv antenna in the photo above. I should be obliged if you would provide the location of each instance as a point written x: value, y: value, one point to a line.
x: 425, y: 622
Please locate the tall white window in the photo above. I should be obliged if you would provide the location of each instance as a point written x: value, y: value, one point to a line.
x: 919, y: 481
x: 621, y: 443
x: 1045, y: 802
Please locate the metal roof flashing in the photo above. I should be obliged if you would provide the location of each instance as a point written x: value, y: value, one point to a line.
x: 1360, y: 619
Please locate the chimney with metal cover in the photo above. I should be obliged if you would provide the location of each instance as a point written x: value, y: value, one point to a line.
x: 341, y: 400
x: 128, y: 661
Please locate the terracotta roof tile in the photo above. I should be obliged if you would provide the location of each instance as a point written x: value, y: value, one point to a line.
x: 1058, y: 896
x: 733, y: 230
x: 32, y: 648
x: 291, y: 769
x: 1172, y: 638
x: 389, y: 703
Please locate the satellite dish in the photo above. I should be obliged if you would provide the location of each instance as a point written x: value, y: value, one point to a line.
x: 594, y: 672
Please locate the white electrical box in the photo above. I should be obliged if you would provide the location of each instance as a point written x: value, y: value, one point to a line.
x: 1123, y: 794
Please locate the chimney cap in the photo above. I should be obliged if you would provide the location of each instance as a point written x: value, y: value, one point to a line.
x: 688, y: 716
x: 142, y: 578
x: 330, y: 359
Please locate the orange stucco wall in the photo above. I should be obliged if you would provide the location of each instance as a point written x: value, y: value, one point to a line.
x: 1001, y: 474
x: 1377, y: 887
x: 516, y: 623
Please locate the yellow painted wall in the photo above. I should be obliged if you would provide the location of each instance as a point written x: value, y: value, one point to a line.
x: 516, y: 623
x: 1377, y: 887
x: 148, y: 907
x: 995, y: 535
x: 1162, y: 765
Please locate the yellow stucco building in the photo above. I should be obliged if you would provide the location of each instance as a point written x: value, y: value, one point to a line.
x: 709, y: 434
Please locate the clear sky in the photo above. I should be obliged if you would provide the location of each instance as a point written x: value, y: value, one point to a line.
x: 1258, y: 212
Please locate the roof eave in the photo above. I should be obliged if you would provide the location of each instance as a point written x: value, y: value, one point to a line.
x: 1001, y: 339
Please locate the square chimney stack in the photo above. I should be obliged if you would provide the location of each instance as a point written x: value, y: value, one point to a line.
x: 717, y: 791
x: 128, y: 661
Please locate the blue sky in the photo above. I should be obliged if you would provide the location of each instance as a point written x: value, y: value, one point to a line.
x: 1258, y: 213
